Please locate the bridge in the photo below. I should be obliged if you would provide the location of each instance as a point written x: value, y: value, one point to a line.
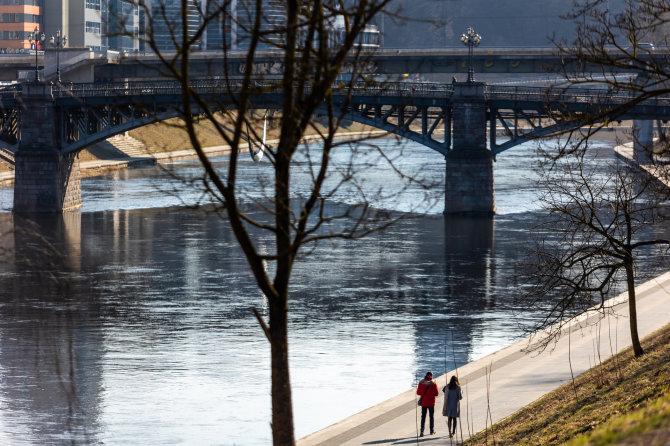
x: 44, y: 125
x: 86, y: 65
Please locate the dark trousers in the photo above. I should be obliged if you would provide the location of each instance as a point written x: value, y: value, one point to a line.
x: 431, y: 411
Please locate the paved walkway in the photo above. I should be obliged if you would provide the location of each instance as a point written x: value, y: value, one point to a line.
x: 516, y: 378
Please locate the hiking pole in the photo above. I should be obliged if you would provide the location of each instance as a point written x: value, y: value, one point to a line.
x: 416, y: 412
x: 453, y: 353
x: 446, y: 380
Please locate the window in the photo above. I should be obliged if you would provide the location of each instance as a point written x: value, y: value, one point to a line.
x: 16, y: 35
x: 93, y: 27
x: 93, y: 4
x: 21, y: 2
x: 19, y: 18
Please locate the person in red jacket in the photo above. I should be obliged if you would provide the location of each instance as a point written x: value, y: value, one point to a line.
x: 427, y: 391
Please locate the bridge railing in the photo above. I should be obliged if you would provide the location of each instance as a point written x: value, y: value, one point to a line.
x: 213, y: 85
x: 117, y: 89
x: 557, y: 95
x: 420, y: 89
x: 10, y: 91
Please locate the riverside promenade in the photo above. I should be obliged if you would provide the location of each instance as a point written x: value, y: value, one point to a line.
x: 509, y: 379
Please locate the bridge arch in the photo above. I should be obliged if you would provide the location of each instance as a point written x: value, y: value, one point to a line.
x: 110, y: 131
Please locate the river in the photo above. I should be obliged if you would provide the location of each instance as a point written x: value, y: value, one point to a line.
x: 133, y: 324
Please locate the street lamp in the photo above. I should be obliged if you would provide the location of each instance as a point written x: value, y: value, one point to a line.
x: 35, y: 38
x: 471, y: 39
x: 59, y: 41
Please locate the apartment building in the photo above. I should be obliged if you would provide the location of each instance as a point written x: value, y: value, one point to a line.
x: 121, y: 24
x: 18, y: 19
x: 273, y: 16
x: 167, y: 26
x: 97, y: 24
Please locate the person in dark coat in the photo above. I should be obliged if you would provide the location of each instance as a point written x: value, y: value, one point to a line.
x: 427, y: 391
x: 452, y: 403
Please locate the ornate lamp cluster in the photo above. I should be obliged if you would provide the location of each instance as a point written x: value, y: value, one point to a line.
x: 36, y: 38
x: 471, y: 39
x: 59, y: 41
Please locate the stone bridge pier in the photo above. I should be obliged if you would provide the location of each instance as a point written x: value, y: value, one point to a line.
x: 469, y: 185
x: 45, y: 179
x: 643, y: 140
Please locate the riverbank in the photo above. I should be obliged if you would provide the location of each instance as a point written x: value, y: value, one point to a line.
x: 498, y: 385
x: 164, y: 143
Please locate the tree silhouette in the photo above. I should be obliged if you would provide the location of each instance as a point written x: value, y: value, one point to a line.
x: 297, y: 57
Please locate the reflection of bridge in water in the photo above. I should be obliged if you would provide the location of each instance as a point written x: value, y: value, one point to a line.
x: 47, y: 126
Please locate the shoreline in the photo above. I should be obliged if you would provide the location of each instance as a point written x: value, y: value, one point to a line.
x: 518, y: 376
x: 103, y: 166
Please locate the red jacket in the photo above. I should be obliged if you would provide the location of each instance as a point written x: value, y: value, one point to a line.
x: 428, y: 400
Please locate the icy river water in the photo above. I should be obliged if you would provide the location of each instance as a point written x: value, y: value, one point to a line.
x: 133, y: 325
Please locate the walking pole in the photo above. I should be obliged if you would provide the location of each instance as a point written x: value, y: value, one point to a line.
x: 416, y: 413
x: 446, y: 380
x: 457, y: 419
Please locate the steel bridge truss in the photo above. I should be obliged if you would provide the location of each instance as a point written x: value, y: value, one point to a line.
x: 88, y: 113
x: 430, y: 126
x: 518, y: 126
x: 80, y: 127
x: 9, y: 125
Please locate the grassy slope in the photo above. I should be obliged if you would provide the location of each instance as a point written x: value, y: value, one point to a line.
x: 169, y: 136
x: 623, y: 401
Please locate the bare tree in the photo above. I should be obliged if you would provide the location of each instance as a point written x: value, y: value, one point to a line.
x: 602, y: 219
x: 311, y: 43
x: 622, y: 48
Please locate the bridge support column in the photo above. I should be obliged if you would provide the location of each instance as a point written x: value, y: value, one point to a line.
x: 45, y: 180
x: 469, y: 187
x: 643, y: 141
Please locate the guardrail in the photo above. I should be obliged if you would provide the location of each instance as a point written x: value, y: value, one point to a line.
x: 208, y: 86
x: 558, y: 95
x: 214, y: 86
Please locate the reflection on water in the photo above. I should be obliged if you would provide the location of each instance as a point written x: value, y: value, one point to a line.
x: 134, y: 326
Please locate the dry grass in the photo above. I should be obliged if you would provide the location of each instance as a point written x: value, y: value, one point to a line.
x: 626, y: 400
x: 170, y: 136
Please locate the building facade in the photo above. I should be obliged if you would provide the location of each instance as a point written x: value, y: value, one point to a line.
x: 96, y: 24
x: 18, y: 20
x: 167, y: 27
x: 124, y: 25
x: 273, y: 16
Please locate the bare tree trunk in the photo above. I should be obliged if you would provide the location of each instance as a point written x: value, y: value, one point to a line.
x: 282, y: 406
x: 632, y: 309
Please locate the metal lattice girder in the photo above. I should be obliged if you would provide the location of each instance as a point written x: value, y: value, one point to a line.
x: 539, y: 132
x: 534, y: 126
x: 9, y: 121
x: 380, y: 117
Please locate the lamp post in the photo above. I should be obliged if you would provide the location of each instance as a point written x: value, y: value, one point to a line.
x: 59, y: 41
x: 36, y: 37
x: 471, y: 39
